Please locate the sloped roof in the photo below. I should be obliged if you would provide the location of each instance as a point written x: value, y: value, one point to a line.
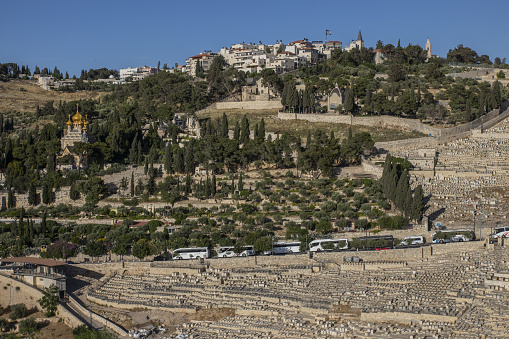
x: 36, y: 261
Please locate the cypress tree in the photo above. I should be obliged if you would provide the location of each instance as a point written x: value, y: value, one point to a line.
x: 386, y: 174
x: 139, y: 157
x: 468, y: 112
x: 408, y: 203
x: 167, y: 159
x: 401, y: 190
x: 349, y: 100
x: 261, y: 130
x: 132, y: 184
x: 418, y: 204
x: 179, y: 161
x: 367, y: 101
x: 32, y: 195
x: 240, y: 184
x: 208, y: 190
x: 187, y: 188
x: 10, y: 198
x: 244, y: 132
x: 145, y: 167
x: 51, y: 163
x: 392, y: 184
x: 189, y: 157
x: 133, y: 152
x: 224, y: 126
x: 236, y: 131
x: 213, y: 184
x: 255, y: 132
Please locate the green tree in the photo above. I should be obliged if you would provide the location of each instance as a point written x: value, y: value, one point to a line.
x: 95, y: 248
x: 49, y: 300
x: 141, y: 249
x: 18, y: 311
x: 349, y: 104
x: 5, y: 325
x: 418, y: 205
x: 244, y: 132
x: 224, y: 126
x: 32, y: 195
x: 28, y: 326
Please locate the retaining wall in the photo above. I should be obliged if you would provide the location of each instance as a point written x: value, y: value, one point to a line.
x: 406, y: 318
x: 29, y: 296
x: 96, y: 317
x: 387, y: 258
x: 272, y: 104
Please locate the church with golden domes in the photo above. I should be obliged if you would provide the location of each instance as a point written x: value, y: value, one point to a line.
x: 77, y: 131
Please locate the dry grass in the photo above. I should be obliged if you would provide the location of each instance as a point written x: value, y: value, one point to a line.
x: 300, y: 127
x: 24, y: 96
x: 346, y: 309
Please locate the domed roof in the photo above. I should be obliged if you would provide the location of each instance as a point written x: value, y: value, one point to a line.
x: 85, y: 123
x: 77, y: 118
x: 69, y: 123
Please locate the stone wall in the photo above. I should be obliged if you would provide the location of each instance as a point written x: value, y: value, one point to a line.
x: 387, y: 258
x: 375, y: 121
x: 96, y: 317
x: 272, y: 104
x: 437, y: 135
x: 406, y: 318
x: 29, y: 296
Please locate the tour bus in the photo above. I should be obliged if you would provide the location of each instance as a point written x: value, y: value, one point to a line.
x: 229, y: 251
x: 453, y: 236
x: 328, y: 245
x: 501, y: 232
x: 284, y: 248
x: 413, y: 240
x: 191, y: 253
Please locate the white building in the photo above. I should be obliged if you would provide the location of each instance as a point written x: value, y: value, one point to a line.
x: 204, y: 60
x: 128, y: 72
x: 359, y: 43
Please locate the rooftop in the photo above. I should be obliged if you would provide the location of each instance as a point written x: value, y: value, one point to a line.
x: 36, y: 261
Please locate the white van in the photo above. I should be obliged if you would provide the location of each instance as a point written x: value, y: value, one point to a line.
x: 413, y: 240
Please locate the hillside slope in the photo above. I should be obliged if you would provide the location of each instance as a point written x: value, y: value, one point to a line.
x: 24, y: 96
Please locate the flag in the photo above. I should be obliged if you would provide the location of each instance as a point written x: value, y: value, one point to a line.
x: 327, y: 32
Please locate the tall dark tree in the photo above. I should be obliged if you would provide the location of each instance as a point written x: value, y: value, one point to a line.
x: 236, y: 132
x: 224, y: 126
x: 132, y: 184
x: 244, y: 132
x: 168, y: 159
x: 32, y: 195
x: 349, y: 104
x: 418, y: 203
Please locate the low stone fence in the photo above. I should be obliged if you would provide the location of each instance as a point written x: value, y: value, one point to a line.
x: 406, y: 318
x: 132, y: 306
x: 96, y: 317
x: 272, y: 104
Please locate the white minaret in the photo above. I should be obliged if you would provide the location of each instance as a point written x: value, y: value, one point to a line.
x: 428, y: 49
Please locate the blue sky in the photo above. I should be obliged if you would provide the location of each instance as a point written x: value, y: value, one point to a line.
x: 76, y: 35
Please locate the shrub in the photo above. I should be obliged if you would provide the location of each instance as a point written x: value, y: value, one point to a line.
x: 28, y: 326
x: 18, y: 311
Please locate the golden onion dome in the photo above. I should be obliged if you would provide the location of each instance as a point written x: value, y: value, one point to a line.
x: 85, y: 123
x: 69, y: 123
x: 77, y: 118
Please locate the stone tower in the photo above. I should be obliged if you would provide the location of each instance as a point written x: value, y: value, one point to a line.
x: 428, y: 49
x: 359, y: 42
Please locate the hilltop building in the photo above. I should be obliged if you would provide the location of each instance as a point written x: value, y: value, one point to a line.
x: 359, y: 43
x: 136, y: 73
x: 77, y: 131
